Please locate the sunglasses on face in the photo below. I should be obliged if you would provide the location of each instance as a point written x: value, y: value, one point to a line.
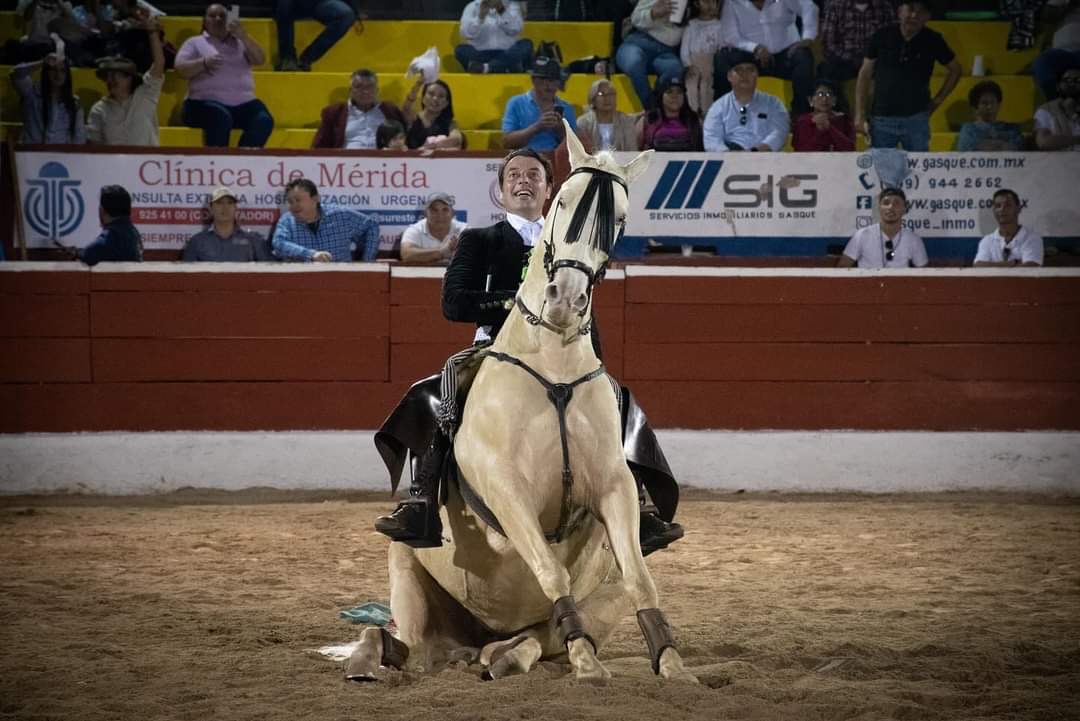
x: 823, y: 94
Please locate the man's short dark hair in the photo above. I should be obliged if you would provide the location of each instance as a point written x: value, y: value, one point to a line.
x: 892, y: 191
x: 982, y: 88
x: 924, y: 4
x: 528, y: 153
x: 116, y: 201
x: 1007, y: 191
x: 302, y: 184
x: 365, y: 73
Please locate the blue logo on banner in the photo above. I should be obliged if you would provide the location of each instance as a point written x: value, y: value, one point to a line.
x: 684, y: 184
x: 864, y: 202
x: 54, y: 206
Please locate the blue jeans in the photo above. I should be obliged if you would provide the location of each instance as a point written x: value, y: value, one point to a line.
x: 335, y: 15
x: 794, y: 64
x: 515, y: 59
x: 1049, y: 66
x: 639, y: 54
x: 912, y: 132
x: 217, y: 119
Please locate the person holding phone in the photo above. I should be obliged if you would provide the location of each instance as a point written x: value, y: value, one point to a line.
x: 534, y: 119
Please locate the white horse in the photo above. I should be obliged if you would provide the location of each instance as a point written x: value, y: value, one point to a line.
x: 558, y: 563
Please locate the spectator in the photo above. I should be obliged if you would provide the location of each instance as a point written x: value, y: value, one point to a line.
x: 322, y: 233
x: 434, y: 238
x: 353, y: 124
x: 701, y: 40
x: 492, y: 31
x: 823, y: 130
x: 50, y: 111
x: 433, y: 127
x: 898, y: 64
x: 846, y: 30
x: 673, y: 126
x: 221, y: 88
x: 534, y: 119
x: 1011, y: 244
x: 886, y: 244
x: 128, y: 114
x: 767, y: 29
x: 651, y: 47
x: 335, y: 16
x: 746, y: 118
x: 390, y: 136
x: 985, y: 132
x: 1057, y: 123
x: 224, y: 239
x: 119, y: 239
x: 602, y: 127
x: 1064, y: 50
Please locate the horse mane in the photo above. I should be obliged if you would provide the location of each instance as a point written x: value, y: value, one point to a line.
x: 603, y: 235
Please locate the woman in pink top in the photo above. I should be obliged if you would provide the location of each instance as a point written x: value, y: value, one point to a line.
x: 673, y: 125
x: 221, y: 88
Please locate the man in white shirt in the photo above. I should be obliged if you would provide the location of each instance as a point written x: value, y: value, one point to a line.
x: 886, y: 244
x: 433, y: 238
x: 491, y: 30
x: 353, y: 124
x: 1011, y: 244
x: 745, y: 118
x: 767, y: 29
x: 128, y: 114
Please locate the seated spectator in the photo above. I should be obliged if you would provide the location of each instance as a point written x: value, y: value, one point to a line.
x: 745, y: 118
x: 898, y: 64
x: 602, y: 127
x: 1064, y: 50
x: 1011, y: 244
x: 534, y: 119
x: 322, y: 233
x: 50, y: 111
x: 767, y: 30
x: 335, y: 16
x: 434, y: 238
x: 492, y: 33
x: 1057, y: 123
x: 985, y: 132
x: 823, y: 130
x: 224, y: 240
x: 433, y: 127
x: 886, y: 244
x: 673, y: 126
x: 651, y: 47
x: 119, y: 239
x: 221, y: 88
x: 128, y: 114
x: 846, y: 30
x: 353, y: 124
x: 390, y: 136
x: 702, y: 39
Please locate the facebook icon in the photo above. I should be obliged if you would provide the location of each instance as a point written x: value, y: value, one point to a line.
x: 864, y: 202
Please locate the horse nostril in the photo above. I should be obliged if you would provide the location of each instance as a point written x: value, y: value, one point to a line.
x: 552, y: 293
x: 581, y: 301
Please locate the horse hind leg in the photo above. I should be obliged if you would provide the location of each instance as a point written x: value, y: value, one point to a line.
x: 508, y: 658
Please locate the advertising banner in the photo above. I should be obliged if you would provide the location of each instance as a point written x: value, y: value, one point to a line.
x: 747, y: 203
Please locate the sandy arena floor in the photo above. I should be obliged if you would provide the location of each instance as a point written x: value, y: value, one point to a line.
x: 205, y: 605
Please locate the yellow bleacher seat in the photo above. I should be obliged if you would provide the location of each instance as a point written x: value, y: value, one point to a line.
x: 987, y: 38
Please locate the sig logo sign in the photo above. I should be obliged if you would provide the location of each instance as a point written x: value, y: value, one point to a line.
x: 54, y: 206
x: 755, y: 191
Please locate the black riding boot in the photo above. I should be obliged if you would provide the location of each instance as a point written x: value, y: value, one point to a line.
x: 655, y: 533
x: 415, y: 522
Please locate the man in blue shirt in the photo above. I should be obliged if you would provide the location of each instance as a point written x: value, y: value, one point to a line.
x: 746, y: 119
x: 320, y: 232
x: 534, y: 119
x: 119, y: 239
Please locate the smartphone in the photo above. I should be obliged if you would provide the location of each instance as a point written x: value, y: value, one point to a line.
x: 558, y: 110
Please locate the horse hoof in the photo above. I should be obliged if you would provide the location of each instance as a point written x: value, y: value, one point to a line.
x: 593, y: 678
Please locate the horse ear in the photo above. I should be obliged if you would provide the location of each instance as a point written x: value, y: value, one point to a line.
x: 636, y: 167
x: 574, y: 146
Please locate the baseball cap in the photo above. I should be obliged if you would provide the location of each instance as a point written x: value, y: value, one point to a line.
x: 222, y: 192
x: 434, y: 197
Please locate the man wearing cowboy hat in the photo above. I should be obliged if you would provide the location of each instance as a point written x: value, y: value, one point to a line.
x: 128, y: 114
x: 534, y: 119
x: 224, y: 239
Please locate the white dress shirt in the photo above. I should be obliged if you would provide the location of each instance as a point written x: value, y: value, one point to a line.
x: 497, y: 31
x: 361, y: 126
x: 1025, y: 247
x: 745, y: 27
x: 867, y: 249
x: 529, y: 230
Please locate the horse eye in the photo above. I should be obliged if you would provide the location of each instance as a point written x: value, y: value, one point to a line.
x: 562, y: 203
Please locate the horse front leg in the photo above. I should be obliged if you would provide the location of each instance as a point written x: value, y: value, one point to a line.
x: 619, y: 513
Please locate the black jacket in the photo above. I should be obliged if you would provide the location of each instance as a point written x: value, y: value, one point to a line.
x: 467, y: 296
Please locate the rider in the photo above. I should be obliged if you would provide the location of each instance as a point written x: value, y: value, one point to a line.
x: 483, y: 275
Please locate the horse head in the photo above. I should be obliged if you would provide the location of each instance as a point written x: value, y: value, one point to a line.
x: 584, y: 222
